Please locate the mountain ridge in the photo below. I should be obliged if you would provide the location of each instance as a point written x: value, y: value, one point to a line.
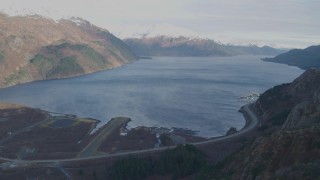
x: 36, y: 48
x: 302, y: 58
x: 190, y: 46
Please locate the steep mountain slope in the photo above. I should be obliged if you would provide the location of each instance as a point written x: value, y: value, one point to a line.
x: 288, y: 142
x: 36, y: 48
x: 183, y: 46
x: 303, y: 58
x: 275, y: 104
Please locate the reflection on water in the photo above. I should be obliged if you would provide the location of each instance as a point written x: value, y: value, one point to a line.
x: 201, y: 94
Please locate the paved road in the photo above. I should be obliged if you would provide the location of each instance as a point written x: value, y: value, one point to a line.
x: 114, y: 125
x: 251, y: 122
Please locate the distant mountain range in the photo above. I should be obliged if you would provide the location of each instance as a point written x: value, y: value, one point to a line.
x: 303, y: 58
x: 184, y: 46
x: 125, y: 31
x: 36, y: 48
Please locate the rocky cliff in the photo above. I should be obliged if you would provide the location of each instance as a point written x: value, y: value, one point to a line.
x: 276, y: 104
x: 36, y: 48
x: 286, y: 154
x: 288, y: 141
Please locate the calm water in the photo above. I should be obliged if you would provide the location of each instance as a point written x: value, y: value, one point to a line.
x: 201, y: 94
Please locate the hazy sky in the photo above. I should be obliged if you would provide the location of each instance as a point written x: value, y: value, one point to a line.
x: 284, y: 23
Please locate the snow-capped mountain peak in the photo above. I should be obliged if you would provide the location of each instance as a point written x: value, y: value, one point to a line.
x: 153, y: 30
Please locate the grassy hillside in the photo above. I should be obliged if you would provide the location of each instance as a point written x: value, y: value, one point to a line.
x: 36, y: 48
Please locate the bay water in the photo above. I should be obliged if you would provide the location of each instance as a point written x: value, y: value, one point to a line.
x: 200, y: 94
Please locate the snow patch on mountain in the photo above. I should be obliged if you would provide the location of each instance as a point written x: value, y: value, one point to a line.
x: 46, y: 12
x: 125, y: 31
x: 152, y: 30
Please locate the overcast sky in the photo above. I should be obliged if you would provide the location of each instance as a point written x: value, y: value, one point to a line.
x: 281, y: 23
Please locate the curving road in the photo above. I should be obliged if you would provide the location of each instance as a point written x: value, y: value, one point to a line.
x: 251, y: 122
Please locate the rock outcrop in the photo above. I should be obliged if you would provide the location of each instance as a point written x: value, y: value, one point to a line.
x: 303, y: 115
x: 291, y: 154
x: 288, y: 147
x: 275, y: 105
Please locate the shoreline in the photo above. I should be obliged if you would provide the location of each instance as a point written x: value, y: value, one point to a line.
x: 71, y: 76
x: 186, y: 131
x: 251, y: 124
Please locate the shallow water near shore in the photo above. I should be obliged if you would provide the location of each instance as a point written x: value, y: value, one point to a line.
x: 201, y: 94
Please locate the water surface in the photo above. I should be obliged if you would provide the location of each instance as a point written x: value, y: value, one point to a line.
x: 201, y: 94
